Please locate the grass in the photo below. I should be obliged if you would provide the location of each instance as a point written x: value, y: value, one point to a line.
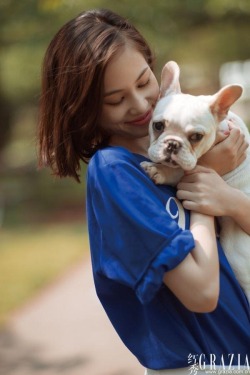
x: 31, y: 258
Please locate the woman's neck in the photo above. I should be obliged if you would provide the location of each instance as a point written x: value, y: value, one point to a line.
x: 137, y: 145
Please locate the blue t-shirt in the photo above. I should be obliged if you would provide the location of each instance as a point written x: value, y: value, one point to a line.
x: 138, y: 231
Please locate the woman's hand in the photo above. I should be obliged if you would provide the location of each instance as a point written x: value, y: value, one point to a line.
x: 228, y: 153
x: 204, y: 191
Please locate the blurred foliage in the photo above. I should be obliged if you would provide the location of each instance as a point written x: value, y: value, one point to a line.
x: 199, y: 34
x: 210, y: 31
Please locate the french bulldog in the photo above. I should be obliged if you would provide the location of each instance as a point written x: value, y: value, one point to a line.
x: 182, y: 129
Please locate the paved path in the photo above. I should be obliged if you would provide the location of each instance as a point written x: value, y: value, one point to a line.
x: 65, y: 331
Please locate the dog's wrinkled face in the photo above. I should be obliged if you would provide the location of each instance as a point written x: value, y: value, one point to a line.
x: 182, y: 129
x: 184, y: 126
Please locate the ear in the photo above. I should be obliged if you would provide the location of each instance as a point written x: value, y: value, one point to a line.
x: 170, y: 79
x: 224, y: 99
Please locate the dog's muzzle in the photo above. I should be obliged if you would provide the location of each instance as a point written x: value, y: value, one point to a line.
x: 172, y: 147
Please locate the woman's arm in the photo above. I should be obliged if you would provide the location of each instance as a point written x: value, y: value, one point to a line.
x: 195, y: 281
x: 203, y: 190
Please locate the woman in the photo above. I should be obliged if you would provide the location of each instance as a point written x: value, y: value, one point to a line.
x: 159, y: 271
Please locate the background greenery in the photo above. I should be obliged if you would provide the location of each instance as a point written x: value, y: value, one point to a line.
x: 42, y: 229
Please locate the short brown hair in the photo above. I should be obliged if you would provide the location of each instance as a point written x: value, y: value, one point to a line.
x: 72, y: 87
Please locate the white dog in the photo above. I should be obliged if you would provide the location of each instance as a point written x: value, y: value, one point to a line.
x: 182, y: 129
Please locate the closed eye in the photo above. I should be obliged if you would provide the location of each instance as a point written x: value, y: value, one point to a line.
x: 144, y: 84
x: 116, y: 103
x: 196, y: 137
x: 141, y: 85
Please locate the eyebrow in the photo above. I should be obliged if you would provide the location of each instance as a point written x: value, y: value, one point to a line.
x: 120, y: 90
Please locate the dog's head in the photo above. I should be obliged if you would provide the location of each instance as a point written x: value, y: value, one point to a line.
x: 183, y: 126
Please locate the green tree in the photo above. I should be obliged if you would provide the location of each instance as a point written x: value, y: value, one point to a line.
x: 205, y: 32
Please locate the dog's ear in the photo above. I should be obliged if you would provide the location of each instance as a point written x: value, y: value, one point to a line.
x: 224, y: 99
x: 170, y: 79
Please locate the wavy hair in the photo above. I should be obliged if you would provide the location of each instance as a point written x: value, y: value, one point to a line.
x: 72, y: 87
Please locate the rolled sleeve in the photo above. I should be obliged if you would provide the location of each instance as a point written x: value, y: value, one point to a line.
x: 165, y: 261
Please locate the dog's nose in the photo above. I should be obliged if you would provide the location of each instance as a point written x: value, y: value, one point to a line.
x: 172, y: 146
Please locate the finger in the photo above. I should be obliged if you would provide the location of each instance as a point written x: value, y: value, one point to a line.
x: 184, y: 195
x: 240, y: 146
x: 189, y: 205
x: 243, y: 147
x: 186, y: 186
x: 234, y: 138
x: 231, y: 124
x: 198, y: 169
x: 237, y: 146
x: 243, y: 140
x: 221, y: 136
x: 241, y: 159
x: 235, y: 133
x: 242, y: 152
x: 196, y: 175
x: 189, y: 178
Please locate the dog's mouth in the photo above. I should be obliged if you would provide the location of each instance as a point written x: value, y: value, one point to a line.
x: 174, y: 163
x: 166, y: 157
x: 170, y: 162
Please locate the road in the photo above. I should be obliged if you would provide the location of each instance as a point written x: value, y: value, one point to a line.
x: 64, y: 330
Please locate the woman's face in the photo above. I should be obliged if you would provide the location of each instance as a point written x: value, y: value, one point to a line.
x: 130, y: 94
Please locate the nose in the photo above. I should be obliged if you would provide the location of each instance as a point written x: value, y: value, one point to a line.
x: 139, y: 104
x: 172, y: 146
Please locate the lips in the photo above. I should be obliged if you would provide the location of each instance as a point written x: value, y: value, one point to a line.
x: 142, y: 120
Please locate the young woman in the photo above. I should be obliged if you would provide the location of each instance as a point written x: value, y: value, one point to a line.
x: 159, y: 271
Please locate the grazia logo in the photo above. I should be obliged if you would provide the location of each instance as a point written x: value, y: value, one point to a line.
x: 193, y: 363
x: 225, y: 364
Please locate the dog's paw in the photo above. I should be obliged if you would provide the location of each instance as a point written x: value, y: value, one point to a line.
x: 153, y: 172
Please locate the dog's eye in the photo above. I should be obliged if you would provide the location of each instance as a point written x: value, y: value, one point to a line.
x: 196, y: 137
x: 158, y: 126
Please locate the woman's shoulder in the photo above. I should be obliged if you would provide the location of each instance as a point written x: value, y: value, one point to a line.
x: 114, y: 155
x: 117, y: 164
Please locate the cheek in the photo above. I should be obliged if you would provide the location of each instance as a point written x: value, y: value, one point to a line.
x: 111, y: 116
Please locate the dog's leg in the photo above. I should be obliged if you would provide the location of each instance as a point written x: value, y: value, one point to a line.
x: 162, y: 174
